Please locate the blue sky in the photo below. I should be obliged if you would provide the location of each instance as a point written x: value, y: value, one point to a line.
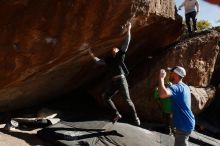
x: 208, y: 12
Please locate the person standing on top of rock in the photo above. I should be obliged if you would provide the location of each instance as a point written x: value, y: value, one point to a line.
x: 118, y: 70
x: 183, y: 119
x: 191, y: 10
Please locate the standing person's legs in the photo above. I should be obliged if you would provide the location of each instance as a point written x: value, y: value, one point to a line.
x: 126, y: 95
x: 187, y: 16
x: 181, y: 138
x: 168, y: 118
x: 111, y: 90
x: 194, y: 20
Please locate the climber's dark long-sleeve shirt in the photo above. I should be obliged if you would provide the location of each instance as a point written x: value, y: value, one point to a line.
x: 116, y: 63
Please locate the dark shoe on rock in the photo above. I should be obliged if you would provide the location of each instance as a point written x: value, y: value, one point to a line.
x: 137, y: 122
x: 116, y: 118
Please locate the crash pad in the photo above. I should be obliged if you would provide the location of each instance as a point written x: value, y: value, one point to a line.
x: 98, y: 133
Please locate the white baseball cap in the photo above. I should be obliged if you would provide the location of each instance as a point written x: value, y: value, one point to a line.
x: 178, y: 70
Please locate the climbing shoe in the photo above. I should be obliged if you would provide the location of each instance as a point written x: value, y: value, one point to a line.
x: 137, y: 122
x: 116, y: 118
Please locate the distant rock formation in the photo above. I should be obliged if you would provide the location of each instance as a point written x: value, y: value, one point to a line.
x: 43, y: 44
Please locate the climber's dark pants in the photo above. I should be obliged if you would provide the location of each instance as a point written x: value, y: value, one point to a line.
x: 188, y: 16
x: 116, y: 85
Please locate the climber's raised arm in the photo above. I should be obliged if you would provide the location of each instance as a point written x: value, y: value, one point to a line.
x: 126, y: 42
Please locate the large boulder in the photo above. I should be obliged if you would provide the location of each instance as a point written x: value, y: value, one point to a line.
x: 216, y: 78
x: 197, y: 55
x: 208, y: 120
x: 44, y: 43
x: 201, y: 97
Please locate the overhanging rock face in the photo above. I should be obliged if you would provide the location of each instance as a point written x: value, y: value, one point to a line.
x: 43, y: 43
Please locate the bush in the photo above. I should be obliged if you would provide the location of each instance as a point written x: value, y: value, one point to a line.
x: 203, y: 24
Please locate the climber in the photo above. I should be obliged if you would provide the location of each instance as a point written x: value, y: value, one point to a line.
x: 183, y: 119
x: 191, y: 11
x: 118, y: 70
